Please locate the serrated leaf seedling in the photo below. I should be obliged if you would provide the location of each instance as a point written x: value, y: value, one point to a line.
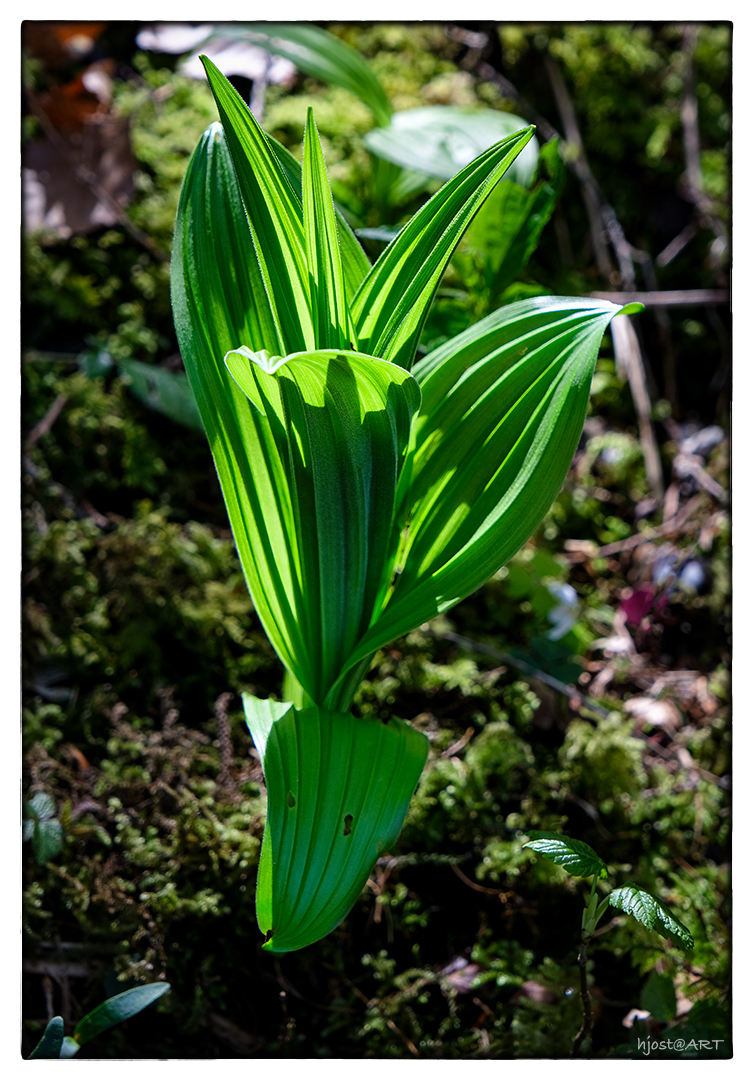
x: 580, y: 860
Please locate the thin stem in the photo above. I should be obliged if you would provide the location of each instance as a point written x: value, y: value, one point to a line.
x: 585, y: 997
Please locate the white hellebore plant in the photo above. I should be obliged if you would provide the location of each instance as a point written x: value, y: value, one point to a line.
x: 367, y: 491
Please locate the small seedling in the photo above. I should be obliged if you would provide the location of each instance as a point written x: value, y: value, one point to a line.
x: 42, y: 827
x: 580, y: 860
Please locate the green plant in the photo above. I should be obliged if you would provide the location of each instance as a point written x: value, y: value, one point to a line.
x: 56, y: 1044
x: 580, y: 860
x: 366, y: 493
x: 42, y: 827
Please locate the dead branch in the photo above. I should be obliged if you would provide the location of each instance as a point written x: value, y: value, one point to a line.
x: 47, y: 420
x: 528, y: 669
x: 692, y: 141
x: 628, y: 353
x: 667, y: 298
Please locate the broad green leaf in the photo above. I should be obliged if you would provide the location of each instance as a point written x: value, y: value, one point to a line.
x: 652, y: 913
x: 328, y: 303
x: 391, y: 305
x: 659, y: 998
x: 575, y: 856
x: 52, y: 1040
x: 217, y: 286
x: 502, y: 410
x: 118, y: 1008
x: 338, y: 788
x: 219, y: 302
x: 319, y: 54
x: 439, y: 140
x: 336, y: 427
x: 274, y: 214
x: 167, y: 392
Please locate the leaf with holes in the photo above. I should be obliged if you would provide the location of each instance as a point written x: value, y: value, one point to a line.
x: 338, y: 788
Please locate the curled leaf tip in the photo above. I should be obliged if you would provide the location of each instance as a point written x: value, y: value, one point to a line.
x: 262, y: 359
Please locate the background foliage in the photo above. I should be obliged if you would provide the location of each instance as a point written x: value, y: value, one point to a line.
x: 139, y: 634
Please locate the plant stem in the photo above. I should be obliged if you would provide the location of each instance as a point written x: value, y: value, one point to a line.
x: 585, y: 997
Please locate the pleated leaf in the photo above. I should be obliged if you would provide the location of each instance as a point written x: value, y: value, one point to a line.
x: 391, y: 305
x: 219, y: 302
x: 355, y: 262
x: 336, y: 428
x: 338, y: 788
x: 502, y: 410
x: 329, y: 306
x: 274, y: 213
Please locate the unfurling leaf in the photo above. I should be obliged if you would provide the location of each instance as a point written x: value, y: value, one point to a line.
x: 333, y: 430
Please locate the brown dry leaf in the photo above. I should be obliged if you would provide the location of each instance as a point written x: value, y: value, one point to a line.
x: 58, y: 43
x: 56, y: 195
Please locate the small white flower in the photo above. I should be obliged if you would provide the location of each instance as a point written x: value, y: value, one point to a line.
x: 565, y: 613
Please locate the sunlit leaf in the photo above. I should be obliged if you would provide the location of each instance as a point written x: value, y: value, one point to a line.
x: 502, y: 410
x: 355, y: 262
x: 575, y: 856
x: 219, y: 302
x: 328, y: 303
x: 336, y: 427
x: 391, y: 305
x: 338, y: 788
x: 652, y: 913
x: 274, y: 213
